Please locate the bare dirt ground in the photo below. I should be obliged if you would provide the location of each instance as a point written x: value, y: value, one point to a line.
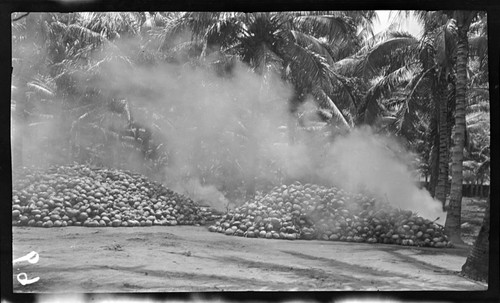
x: 189, y: 258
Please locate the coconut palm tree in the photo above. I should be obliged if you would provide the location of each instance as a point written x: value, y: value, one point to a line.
x: 477, y: 264
x: 445, y: 99
x: 73, y: 62
x: 452, y: 225
x: 436, y: 55
x: 477, y: 110
x: 29, y: 83
x: 447, y: 50
x: 300, y: 46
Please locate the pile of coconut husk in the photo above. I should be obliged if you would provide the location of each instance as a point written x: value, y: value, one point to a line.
x: 311, y: 211
x: 80, y: 195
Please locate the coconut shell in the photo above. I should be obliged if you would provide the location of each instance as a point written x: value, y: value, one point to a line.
x: 315, y: 212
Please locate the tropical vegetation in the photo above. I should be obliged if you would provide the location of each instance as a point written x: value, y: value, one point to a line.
x: 68, y: 94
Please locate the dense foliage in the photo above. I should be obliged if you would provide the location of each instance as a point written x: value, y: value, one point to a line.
x: 70, y: 102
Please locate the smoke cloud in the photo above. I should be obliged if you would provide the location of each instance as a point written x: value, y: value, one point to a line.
x: 365, y: 160
x: 223, y: 132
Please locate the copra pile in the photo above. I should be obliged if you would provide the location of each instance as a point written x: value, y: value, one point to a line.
x: 311, y: 211
x: 79, y: 195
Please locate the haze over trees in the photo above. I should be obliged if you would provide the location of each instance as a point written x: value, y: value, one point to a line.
x: 226, y: 101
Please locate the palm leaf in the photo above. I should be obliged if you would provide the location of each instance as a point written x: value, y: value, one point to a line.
x: 406, y: 118
x: 84, y: 34
x: 43, y: 87
x: 478, y: 47
x: 386, y: 85
x: 479, y: 26
x: 481, y: 106
x: 337, y: 30
x: 308, y: 67
x: 314, y: 44
x: 445, y: 46
x: 262, y: 57
x: 332, y: 27
x: 414, y: 84
x: 111, y: 24
x: 477, y: 120
x: 350, y: 67
x: 347, y: 86
x: 483, y: 167
x: 370, y: 42
x: 224, y: 32
x: 382, y: 54
x: 176, y: 26
x: 328, y: 108
x: 121, y: 107
x: 39, y: 115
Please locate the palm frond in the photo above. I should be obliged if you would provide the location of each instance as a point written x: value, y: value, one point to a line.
x: 382, y: 54
x: 111, y: 25
x: 198, y: 22
x: 479, y: 26
x: 177, y: 25
x: 364, y: 20
x: 481, y: 106
x: 370, y: 42
x: 349, y: 67
x: 224, y: 32
x: 208, y: 28
x: 478, y: 47
x: 314, y: 44
x: 383, y: 88
x: 57, y: 27
x: 38, y: 124
x: 37, y: 115
x: 332, y: 27
x: 400, y: 34
x: 121, y: 107
x: 445, y: 45
x: 481, y: 92
x: 42, y: 86
x: 429, y: 19
x: 84, y: 34
x: 308, y: 67
x: 414, y: 84
x: 483, y: 167
x: 477, y: 120
x: 347, y: 86
x: 328, y: 108
x: 386, y: 85
x: 406, y: 117
x: 265, y: 58
x: 426, y: 52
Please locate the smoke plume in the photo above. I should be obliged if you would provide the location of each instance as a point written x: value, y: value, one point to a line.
x: 221, y: 132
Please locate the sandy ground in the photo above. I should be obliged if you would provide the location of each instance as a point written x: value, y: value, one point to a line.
x: 188, y: 258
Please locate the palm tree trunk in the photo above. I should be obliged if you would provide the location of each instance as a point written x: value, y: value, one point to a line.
x: 451, y: 96
x: 434, y: 150
x: 477, y: 263
x: 295, y: 101
x: 434, y: 167
x: 453, y: 219
x: 443, y: 144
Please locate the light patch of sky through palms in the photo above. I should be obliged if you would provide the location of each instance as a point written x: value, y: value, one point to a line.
x: 387, y: 17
